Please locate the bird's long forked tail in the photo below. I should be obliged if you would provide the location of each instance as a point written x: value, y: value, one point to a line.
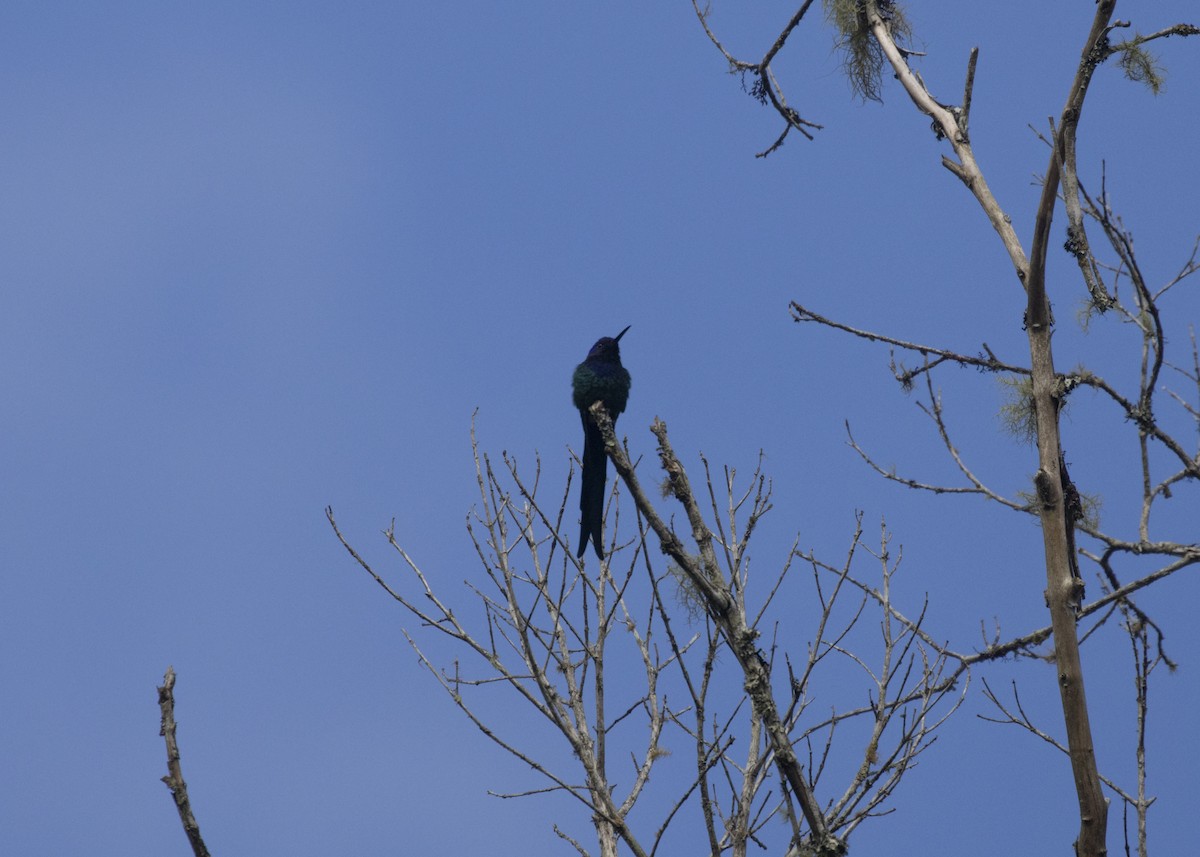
x: 591, y: 492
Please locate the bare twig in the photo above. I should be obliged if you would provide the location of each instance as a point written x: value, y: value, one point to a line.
x: 766, y: 88
x: 174, y: 778
x: 989, y: 363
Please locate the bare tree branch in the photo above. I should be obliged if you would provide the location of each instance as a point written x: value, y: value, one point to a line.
x: 766, y: 88
x: 174, y: 778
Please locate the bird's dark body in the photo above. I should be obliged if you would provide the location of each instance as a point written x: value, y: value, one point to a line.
x: 600, y: 377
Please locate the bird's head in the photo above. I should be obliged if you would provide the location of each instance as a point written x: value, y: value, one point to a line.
x: 606, y: 349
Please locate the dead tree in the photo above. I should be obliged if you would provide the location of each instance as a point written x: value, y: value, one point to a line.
x: 874, y: 37
x: 621, y: 661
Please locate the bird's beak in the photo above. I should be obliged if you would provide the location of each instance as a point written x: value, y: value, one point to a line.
x: 617, y: 338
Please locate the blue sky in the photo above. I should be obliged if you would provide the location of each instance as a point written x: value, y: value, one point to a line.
x: 262, y: 258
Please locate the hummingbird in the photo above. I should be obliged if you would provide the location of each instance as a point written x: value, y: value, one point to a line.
x: 600, y: 377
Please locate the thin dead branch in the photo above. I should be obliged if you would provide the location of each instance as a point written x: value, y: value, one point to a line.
x: 174, y: 778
